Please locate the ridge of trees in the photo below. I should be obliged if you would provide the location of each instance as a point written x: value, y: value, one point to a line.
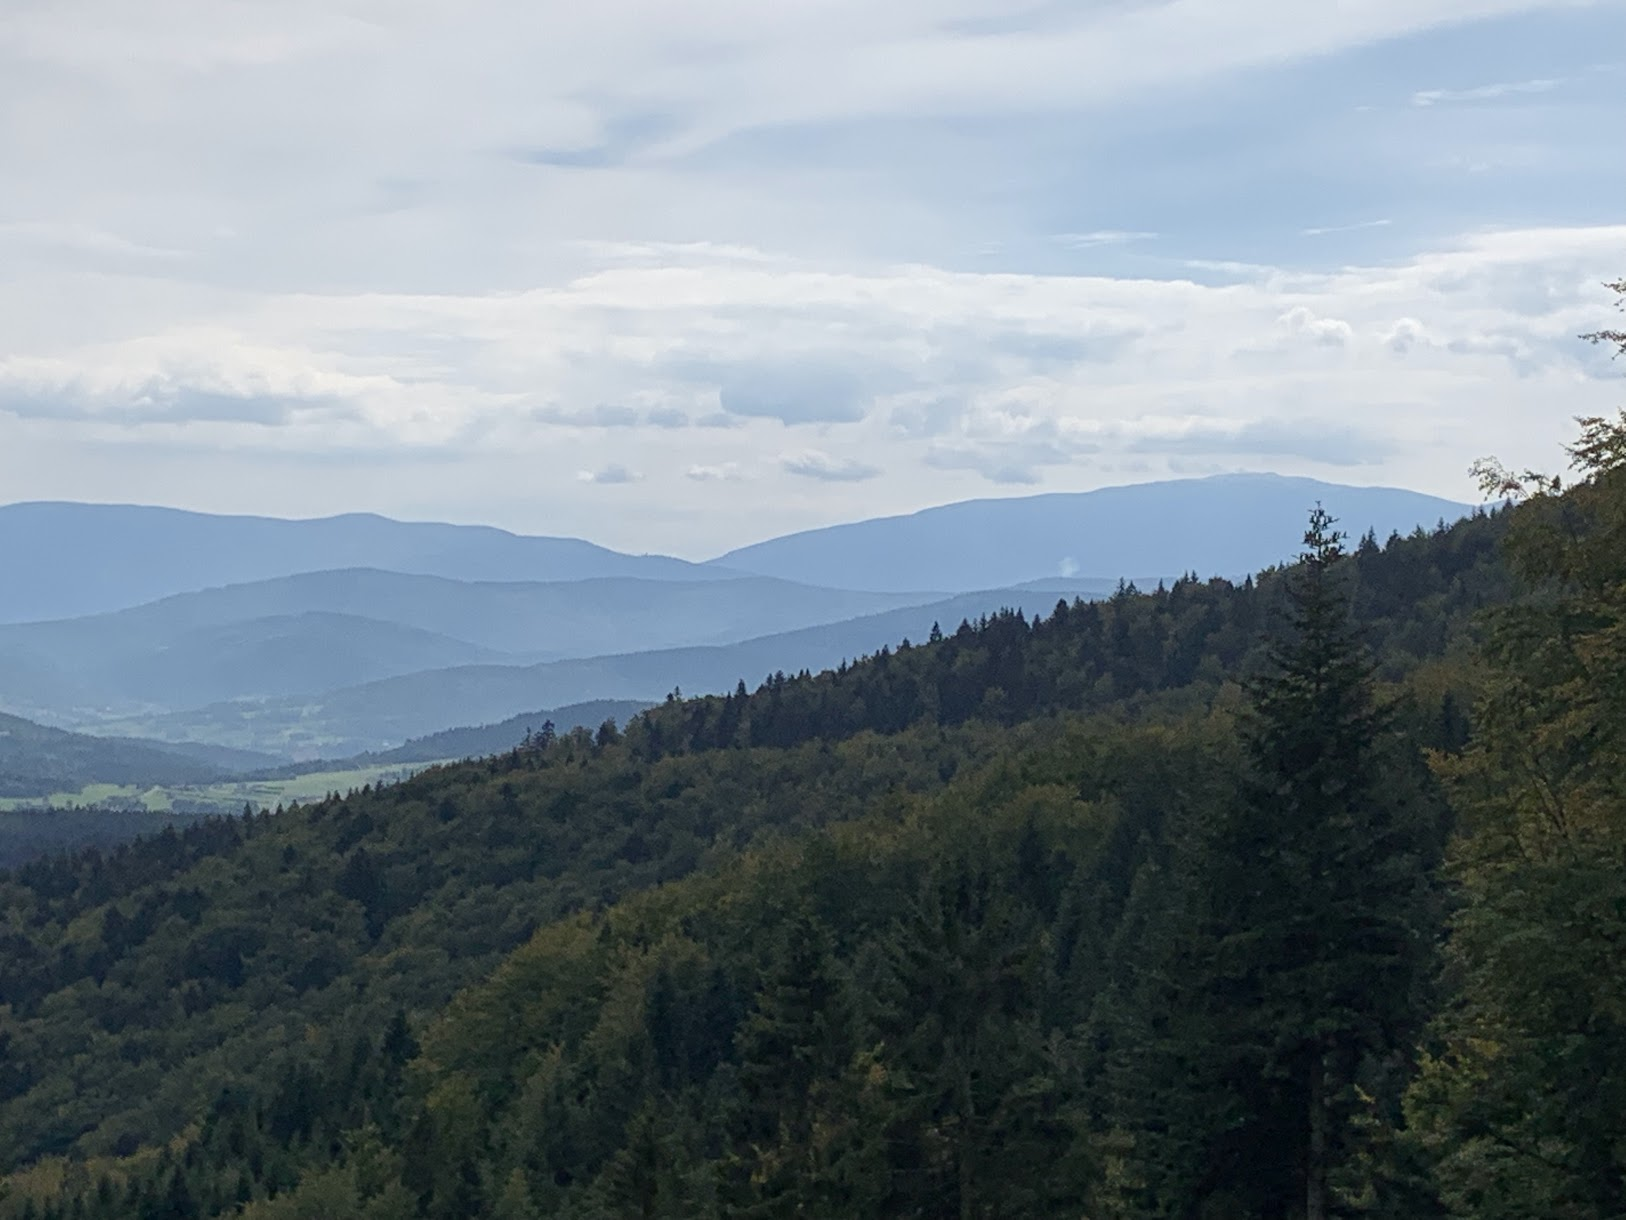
x: 1414, y: 598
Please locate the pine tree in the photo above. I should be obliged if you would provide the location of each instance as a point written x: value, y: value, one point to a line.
x: 1315, y: 884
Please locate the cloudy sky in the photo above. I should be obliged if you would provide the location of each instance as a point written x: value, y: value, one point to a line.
x: 681, y: 276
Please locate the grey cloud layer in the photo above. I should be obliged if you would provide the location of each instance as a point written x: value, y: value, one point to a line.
x: 664, y: 251
x: 807, y: 388
x: 1330, y: 444
x: 607, y: 415
x: 998, y: 375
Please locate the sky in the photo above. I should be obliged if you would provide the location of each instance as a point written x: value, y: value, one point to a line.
x: 681, y: 277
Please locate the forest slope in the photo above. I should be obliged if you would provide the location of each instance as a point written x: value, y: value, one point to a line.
x: 144, y: 985
x: 35, y: 759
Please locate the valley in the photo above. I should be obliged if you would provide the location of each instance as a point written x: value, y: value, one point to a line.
x: 295, y: 641
x: 224, y: 796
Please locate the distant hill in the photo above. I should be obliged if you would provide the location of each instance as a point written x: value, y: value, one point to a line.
x: 316, y: 631
x: 480, y: 740
x: 348, y: 634
x: 477, y: 741
x: 94, y: 668
x: 225, y: 760
x: 35, y: 760
x: 1225, y: 525
x: 80, y: 559
x: 547, y: 619
x: 376, y: 715
x: 89, y: 558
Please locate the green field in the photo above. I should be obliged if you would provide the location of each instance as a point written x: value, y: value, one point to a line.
x: 225, y: 797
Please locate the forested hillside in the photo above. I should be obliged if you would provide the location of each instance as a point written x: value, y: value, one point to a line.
x: 472, y: 741
x: 376, y: 715
x: 1299, y: 897
x: 35, y: 759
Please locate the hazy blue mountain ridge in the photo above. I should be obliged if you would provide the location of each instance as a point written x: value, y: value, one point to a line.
x: 316, y: 631
x: 426, y: 626
x: 376, y: 715
x: 554, y: 618
x: 1225, y: 525
x: 90, y: 558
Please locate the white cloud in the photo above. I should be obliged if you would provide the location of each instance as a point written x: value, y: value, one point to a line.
x: 611, y: 475
x: 1405, y: 334
x: 909, y: 64
x: 614, y: 415
x: 1331, y: 332
x: 1326, y: 442
x: 65, y: 235
x: 1102, y: 237
x: 812, y: 464
x: 1323, y: 230
x: 1483, y: 93
x: 723, y: 472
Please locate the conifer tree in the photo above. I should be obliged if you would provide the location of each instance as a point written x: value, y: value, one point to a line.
x: 1315, y: 890
x: 971, y: 1117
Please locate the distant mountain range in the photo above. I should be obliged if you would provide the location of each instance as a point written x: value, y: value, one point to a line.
x: 90, y: 558
x: 322, y: 638
x: 1227, y: 525
x: 362, y: 718
x: 320, y: 630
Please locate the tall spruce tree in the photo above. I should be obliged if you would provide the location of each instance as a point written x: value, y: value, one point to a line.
x: 974, y: 1120
x: 1314, y: 892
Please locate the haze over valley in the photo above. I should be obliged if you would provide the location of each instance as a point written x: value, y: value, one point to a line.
x: 327, y: 638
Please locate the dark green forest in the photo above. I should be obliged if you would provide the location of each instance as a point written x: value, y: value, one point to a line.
x: 1300, y: 897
